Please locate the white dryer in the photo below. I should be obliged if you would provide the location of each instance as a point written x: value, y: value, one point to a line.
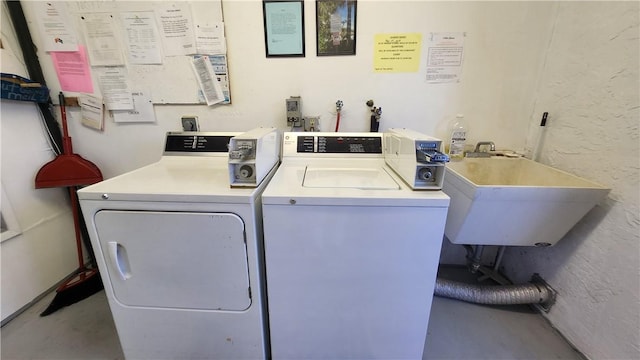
x: 351, y: 251
x: 180, y: 254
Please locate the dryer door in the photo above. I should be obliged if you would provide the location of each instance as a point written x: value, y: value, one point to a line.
x: 181, y: 260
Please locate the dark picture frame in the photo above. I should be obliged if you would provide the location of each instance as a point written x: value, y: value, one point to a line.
x: 283, y: 28
x: 336, y: 27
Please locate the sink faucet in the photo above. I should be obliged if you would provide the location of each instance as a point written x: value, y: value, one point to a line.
x: 492, y: 146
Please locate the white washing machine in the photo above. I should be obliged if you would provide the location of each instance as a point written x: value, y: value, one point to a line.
x: 351, y: 251
x: 180, y: 254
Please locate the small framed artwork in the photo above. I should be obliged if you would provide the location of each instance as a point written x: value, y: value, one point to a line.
x: 283, y: 28
x: 335, y: 27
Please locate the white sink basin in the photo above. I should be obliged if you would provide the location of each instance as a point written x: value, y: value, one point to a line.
x: 514, y: 202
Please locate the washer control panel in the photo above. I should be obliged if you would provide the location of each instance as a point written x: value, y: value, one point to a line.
x: 339, y: 144
x: 332, y: 145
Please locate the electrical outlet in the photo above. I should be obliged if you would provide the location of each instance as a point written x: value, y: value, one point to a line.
x: 311, y: 123
x: 190, y: 123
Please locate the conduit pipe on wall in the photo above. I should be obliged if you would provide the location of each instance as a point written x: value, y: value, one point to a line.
x: 532, y: 293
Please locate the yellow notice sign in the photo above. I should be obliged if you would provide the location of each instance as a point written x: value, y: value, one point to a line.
x: 396, y: 52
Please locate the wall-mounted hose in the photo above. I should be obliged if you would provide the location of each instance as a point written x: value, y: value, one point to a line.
x: 532, y: 293
x: 339, y: 105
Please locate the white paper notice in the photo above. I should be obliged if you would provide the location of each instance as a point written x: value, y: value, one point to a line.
x: 143, y: 40
x: 176, y: 29
x: 91, y: 110
x: 444, y: 59
x: 54, y: 26
x: 102, y: 43
x: 115, y: 88
x: 207, y: 80
x: 142, y: 111
x: 219, y: 65
x: 210, y: 39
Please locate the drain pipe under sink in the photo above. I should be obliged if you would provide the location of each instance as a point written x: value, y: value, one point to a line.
x: 536, y: 292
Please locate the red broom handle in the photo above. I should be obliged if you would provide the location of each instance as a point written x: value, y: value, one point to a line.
x: 66, y: 140
x: 76, y: 224
x: 63, y: 112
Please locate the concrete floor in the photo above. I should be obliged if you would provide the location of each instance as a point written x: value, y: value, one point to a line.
x: 457, y: 330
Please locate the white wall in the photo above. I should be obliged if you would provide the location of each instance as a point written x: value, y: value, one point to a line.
x: 503, y: 53
x: 44, y: 253
x: 577, y: 60
x: 590, y: 87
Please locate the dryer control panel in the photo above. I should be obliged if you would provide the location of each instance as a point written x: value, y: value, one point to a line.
x: 195, y: 143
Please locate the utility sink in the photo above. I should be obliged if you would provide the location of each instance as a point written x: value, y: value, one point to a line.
x: 514, y: 201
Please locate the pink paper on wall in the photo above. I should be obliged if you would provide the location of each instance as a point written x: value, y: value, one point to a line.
x: 73, y: 70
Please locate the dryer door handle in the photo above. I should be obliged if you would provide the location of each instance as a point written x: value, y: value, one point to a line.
x: 119, y: 260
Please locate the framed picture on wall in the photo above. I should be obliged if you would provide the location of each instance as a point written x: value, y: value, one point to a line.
x: 335, y: 27
x: 283, y: 28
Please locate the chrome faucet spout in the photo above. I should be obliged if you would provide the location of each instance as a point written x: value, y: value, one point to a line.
x: 492, y: 146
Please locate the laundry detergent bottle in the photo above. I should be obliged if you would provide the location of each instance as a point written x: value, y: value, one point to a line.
x: 457, y: 137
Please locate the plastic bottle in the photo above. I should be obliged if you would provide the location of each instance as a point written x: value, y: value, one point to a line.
x: 457, y: 137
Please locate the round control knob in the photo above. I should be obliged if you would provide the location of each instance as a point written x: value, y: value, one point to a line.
x: 425, y: 174
x: 246, y: 171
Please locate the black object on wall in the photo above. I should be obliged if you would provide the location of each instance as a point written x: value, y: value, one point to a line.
x: 33, y: 67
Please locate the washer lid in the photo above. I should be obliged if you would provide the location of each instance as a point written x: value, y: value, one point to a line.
x: 349, y: 178
x: 297, y: 182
